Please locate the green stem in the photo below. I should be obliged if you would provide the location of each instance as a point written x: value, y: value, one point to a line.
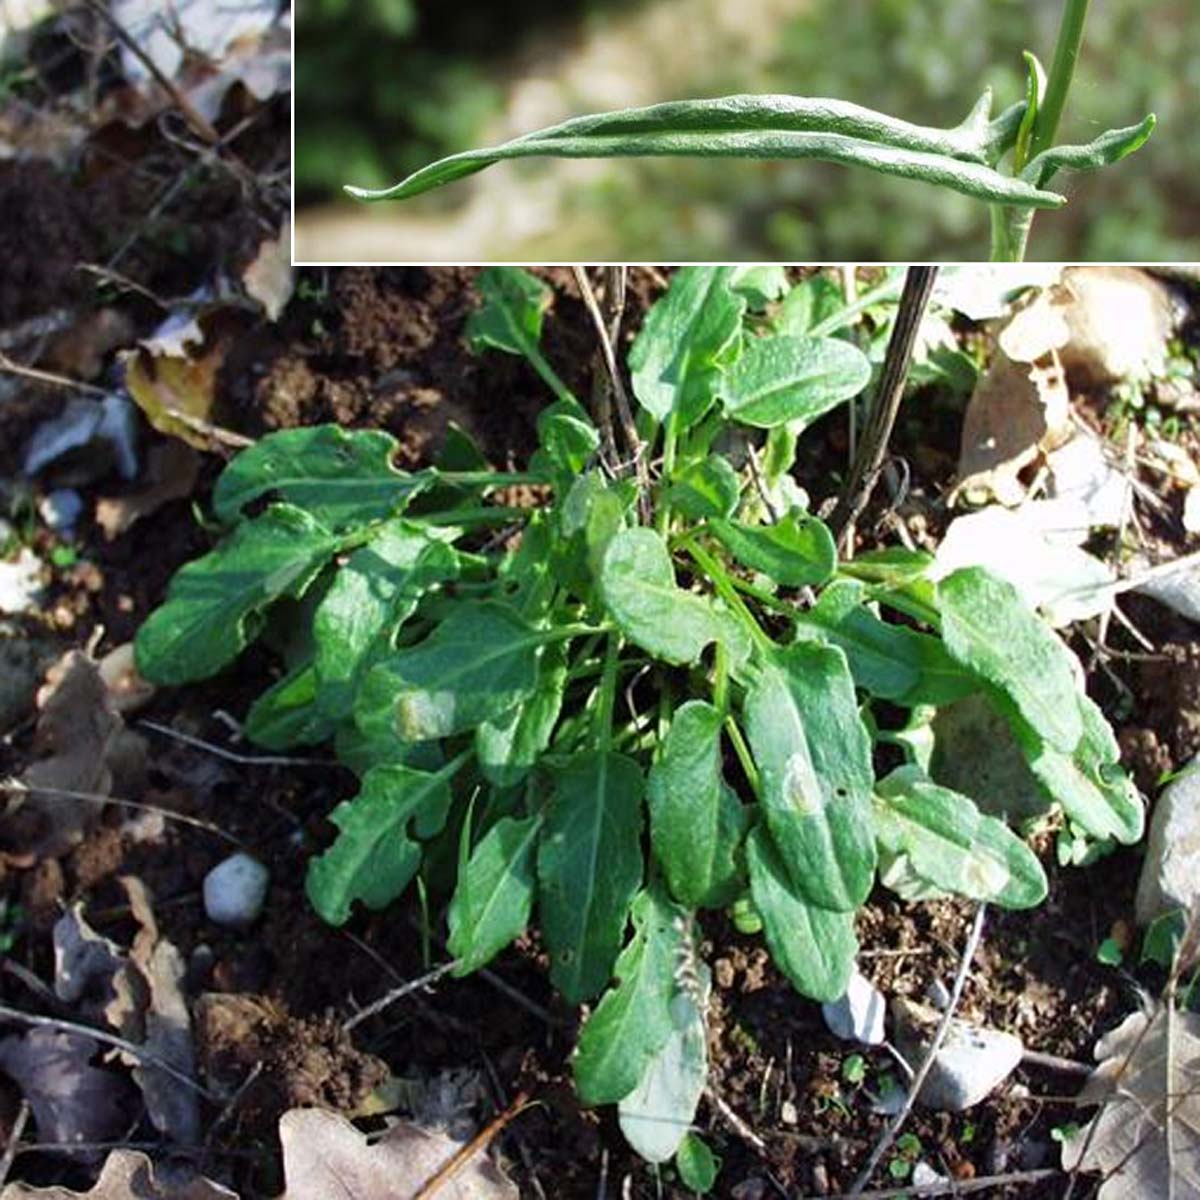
x: 888, y: 290
x: 662, y: 518
x: 1062, y: 71
x: 487, y: 514
x: 744, y: 756
x: 489, y: 478
x: 549, y: 375
x: 607, y: 693
x: 1010, y: 233
x: 726, y: 590
x: 721, y: 679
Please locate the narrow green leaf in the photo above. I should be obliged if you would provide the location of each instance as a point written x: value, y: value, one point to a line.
x: 656, y: 1116
x: 213, y: 604
x: 696, y: 820
x: 780, y: 380
x: 813, y: 947
x: 640, y: 593
x: 480, y: 662
x: 890, y: 661
x: 687, y: 334
x: 342, y: 477
x: 797, y: 550
x: 633, y: 1019
x: 286, y: 714
x: 1089, y: 785
x: 814, y: 759
x: 373, y: 594
x: 950, y: 843
x: 988, y: 627
x: 374, y: 859
x: 508, y: 746
x: 767, y: 127
x: 494, y: 896
x: 589, y: 868
x: 1105, y: 150
x: 706, y: 488
x: 1035, y: 89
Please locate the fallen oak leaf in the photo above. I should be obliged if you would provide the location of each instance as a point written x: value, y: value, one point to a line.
x: 172, y: 468
x: 126, y: 1174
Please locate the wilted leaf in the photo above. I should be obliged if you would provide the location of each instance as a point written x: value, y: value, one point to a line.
x: 268, y: 278
x: 324, y: 1155
x: 127, y: 1174
x: 176, y: 391
x: 1145, y: 1140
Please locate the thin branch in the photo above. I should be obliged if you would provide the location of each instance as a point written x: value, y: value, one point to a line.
x: 245, y: 760
x: 951, y: 1187
x: 14, y: 1141
x: 8, y: 367
x: 872, y: 448
x: 897, y: 1123
x: 397, y: 993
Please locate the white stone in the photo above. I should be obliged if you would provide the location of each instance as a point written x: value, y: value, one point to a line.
x: 1171, y: 869
x: 972, y: 1062
x: 235, y: 889
x: 858, y: 1015
x: 20, y: 582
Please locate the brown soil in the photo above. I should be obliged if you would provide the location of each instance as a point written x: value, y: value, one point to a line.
x: 384, y: 348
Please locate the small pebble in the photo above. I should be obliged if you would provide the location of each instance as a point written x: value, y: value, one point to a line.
x: 234, y: 891
x: 61, y: 509
x: 858, y: 1015
x: 937, y: 995
x: 788, y: 1114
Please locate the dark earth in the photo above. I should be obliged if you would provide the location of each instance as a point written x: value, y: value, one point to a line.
x: 383, y: 348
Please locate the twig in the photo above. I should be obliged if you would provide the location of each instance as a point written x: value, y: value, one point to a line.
x: 477, y: 1144
x: 245, y: 760
x: 224, y: 437
x: 872, y: 448
x: 735, y: 1122
x: 14, y: 1140
x: 8, y: 367
x: 231, y: 1107
x: 951, y: 1187
x: 135, y: 1051
x: 1052, y: 1062
x: 397, y: 993
x: 897, y: 1122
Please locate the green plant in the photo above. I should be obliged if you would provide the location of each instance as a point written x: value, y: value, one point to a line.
x: 967, y: 158
x: 671, y: 642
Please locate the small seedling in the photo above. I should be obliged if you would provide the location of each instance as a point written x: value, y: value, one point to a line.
x: 1109, y: 953
x: 1007, y: 161
x: 649, y: 696
x: 854, y: 1069
x: 908, y: 1152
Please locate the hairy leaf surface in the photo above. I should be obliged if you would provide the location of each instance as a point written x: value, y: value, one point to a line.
x: 589, y: 868
x: 797, y: 550
x: 286, y: 714
x: 707, y: 488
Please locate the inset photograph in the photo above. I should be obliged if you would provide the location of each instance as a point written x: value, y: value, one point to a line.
x: 772, y: 130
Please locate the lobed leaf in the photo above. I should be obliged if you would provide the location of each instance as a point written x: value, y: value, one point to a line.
x: 812, y: 946
x: 696, y: 820
x: 342, y: 477
x: 814, y: 758
x: 781, y: 380
x: 494, y: 896
x: 684, y: 340
x: 952, y: 845
x: 796, y: 551
x: 214, y: 603
x: 633, y: 1019
x: 374, y: 858
x: 768, y: 127
x: 589, y: 868
x: 987, y: 627
x: 479, y: 663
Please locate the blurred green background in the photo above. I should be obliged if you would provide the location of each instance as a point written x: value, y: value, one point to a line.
x: 384, y: 86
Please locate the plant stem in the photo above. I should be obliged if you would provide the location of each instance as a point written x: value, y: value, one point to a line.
x: 726, y: 590
x: 662, y: 518
x: 1058, y: 83
x: 844, y: 316
x: 607, y: 693
x: 744, y: 756
x: 1010, y: 233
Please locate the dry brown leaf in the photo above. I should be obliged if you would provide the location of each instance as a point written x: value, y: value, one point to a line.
x: 127, y: 690
x: 171, y: 471
x: 325, y: 1155
x: 72, y: 1101
x: 126, y: 1174
x: 268, y: 279
x: 1145, y: 1140
x: 176, y: 393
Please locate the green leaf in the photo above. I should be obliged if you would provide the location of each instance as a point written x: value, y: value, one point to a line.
x: 373, y: 594
x: 494, y: 896
x: 567, y: 437
x: 589, y: 868
x: 1089, y: 784
x: 797, y: 550
x: 950, y: 843
x: 697, y: 1165
x: 890, y: 661
x: 508, y: 746
x: 213, y: 604
x: 814, y: 759
x: 480, y: 662
x: 780, y: 380
x: 640, y: 593
x: 286, y: 714
x: 1105, y: 150
x: 342, y: 477
x: 696, y: 820
x: 675, y: 359
x: 374, y: 859
x: 760, y: 284
x: 813, y: 947
x: 656, y: 1116
x: 768, y: 127
x: 892, y: 567
x: 811, y: 302
x: 988, y: 627
x: 706, y: 488
x: 633, y: 1019
x: 1035, y: 89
